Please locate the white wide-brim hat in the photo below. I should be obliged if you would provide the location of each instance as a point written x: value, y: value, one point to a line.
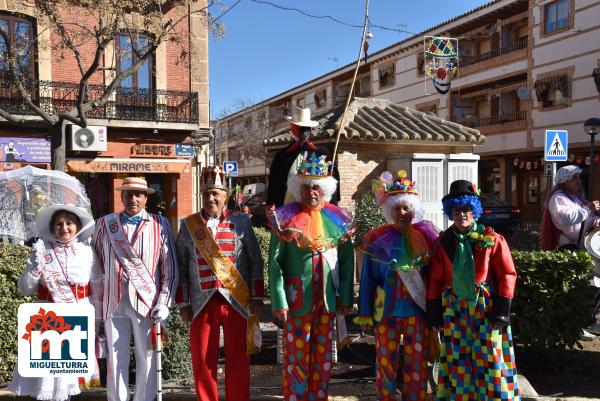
x: 42, y: 221
x: 301, y: 117
x: 135, y: 184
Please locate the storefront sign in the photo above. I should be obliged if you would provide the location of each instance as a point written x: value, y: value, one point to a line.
x: 184, y: 150
x: 152, y: 150
x: 127, y: 166
x: 25, y: 150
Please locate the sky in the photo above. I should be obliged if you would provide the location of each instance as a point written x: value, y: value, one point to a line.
x: 267, y: 50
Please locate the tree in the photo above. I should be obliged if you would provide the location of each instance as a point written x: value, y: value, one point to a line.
x: 82, y: 31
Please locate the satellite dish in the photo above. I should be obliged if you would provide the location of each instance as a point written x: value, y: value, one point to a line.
x: 523, y: 93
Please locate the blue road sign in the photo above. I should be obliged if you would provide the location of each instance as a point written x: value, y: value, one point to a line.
x: 184, y: 150
x: 556, y: 146
x: 230, y: 169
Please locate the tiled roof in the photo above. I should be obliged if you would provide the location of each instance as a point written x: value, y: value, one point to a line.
x: 379, y: 120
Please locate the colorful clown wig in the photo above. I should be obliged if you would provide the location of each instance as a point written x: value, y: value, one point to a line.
x: 463, y: 200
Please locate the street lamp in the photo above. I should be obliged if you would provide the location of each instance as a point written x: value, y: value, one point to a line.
x: 591, y: 127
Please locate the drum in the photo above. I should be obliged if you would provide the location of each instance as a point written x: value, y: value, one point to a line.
x: 591, y: 242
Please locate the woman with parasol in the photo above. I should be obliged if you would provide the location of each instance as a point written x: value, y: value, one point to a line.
x: 63, y: 254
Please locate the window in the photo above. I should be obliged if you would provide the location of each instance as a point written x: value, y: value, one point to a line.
x: 130, y: 48
x: 428, y: 108
x: 363, y: 86
x: 553, y: 91
x: 320, y: 98
x: 556, y: 16
x: 20, y: 33
x: 301, y: 102
x: 420, y: 64
x: 387, y: 75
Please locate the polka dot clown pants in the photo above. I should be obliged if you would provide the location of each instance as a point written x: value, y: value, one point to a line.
x: 388, y: 334
x: 476, y: 362
x: 307, y: 355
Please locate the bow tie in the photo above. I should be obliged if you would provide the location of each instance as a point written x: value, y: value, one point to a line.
x: 125, y: 219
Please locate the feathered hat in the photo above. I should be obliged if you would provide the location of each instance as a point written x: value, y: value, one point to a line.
x: 212, y: 177
x: 386, y: 185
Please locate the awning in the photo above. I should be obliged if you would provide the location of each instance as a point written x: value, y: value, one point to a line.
x: 136, y: 166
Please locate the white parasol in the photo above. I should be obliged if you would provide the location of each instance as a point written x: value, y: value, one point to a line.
x: 27, y: 191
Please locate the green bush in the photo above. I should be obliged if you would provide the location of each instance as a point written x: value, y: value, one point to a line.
x: 552, y: 300
x: 367, y: 215
x: 12, y: 262
x: 177, y: 361
x: 264, y: 236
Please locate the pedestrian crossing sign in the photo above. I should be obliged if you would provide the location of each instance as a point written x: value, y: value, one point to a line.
x: 556, y: 145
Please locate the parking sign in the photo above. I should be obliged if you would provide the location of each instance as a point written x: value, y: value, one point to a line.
x: 230, y: 169
x: 556, y: 145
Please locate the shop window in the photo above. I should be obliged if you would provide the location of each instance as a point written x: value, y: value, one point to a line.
x: 532, y: 190
x: 387, y: 75
x: 553, y: 91
x: 556, y: 16
x: 20, y: 34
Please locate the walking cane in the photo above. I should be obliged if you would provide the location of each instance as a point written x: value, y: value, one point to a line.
x: 158, y: 361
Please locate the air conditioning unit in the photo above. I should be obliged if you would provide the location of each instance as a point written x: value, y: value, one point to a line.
x: 93, y: 138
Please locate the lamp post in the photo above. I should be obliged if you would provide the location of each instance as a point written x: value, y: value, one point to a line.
x: 591, y: 127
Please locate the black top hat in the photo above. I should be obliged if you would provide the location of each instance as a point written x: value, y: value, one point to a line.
x: 460, y: 187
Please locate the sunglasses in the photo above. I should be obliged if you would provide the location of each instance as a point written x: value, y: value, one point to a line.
x: 462, y: 209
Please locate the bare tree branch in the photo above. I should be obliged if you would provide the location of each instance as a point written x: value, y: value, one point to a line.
x: 17, y: 79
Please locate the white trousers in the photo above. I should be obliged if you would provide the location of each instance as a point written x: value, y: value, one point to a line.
x: 119, y: 327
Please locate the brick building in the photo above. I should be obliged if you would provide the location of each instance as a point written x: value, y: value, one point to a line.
x: 524, y: 66
x: 146, y: 129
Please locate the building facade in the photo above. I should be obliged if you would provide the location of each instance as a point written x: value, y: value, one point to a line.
x: 525, y: 66
x: 148, y: 127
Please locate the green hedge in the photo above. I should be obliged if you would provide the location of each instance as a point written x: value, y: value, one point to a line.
x: 552, y: 300
x: 264, y: 236
x: 12, y: 263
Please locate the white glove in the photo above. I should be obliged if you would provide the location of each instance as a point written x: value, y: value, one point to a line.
x: 160, y: 312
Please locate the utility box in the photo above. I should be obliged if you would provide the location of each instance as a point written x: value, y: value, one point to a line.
x: 433, y: 173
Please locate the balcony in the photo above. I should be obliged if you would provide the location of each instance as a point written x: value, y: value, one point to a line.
x: 125, y: 103
x: 498, y: 123
x: 503, y: 55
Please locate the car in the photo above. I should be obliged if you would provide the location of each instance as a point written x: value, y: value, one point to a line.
x: 256, y: 203
x: 498, y: 214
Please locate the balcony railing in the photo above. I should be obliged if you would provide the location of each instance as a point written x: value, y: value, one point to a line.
x: 469, y: 60
x: 124, y: 104
x: 499, y: 119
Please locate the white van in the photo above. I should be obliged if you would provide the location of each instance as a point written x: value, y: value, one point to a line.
x: 253, y: 189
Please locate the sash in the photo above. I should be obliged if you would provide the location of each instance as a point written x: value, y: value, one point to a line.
x: 413, y: 281
x: 331, y: 256
x: 220, y: 264
x: 54, y: 276
x: 138, y: 273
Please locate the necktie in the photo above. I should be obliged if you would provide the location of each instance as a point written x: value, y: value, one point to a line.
x: 463, y: 268
x: 125, y: 219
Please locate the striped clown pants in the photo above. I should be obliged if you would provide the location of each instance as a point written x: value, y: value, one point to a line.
x: 476, y: 362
